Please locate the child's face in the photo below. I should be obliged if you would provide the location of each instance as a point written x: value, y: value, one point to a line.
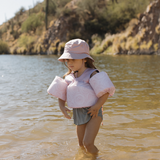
x: 75, y: 64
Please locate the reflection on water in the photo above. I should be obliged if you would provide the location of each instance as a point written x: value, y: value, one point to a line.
x: 33, y: 128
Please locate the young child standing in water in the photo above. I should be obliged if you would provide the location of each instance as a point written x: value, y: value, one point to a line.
x: 85, y: 89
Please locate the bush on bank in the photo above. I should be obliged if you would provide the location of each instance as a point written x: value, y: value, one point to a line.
x: 32, y: 22
x: 106, y: 17
x: 4, y: 49
x: 25, y: 41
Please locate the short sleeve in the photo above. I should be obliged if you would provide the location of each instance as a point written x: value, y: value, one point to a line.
x: 58, y: 88
x: 102, y: 84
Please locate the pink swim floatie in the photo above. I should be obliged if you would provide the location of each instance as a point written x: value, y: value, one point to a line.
x: 102, y: 84
x: 82, y: 92
x: 58, y: 88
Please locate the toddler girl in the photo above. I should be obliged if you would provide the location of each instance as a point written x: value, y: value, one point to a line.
x: 85, y: 89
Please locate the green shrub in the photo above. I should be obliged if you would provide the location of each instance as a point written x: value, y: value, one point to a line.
x: 65, y: 11
x: 73, y: 35
x: 93, y: 16
x: 56, y: 6
x: 4, y: 29
x: 61, y: 3
x: 4, y: 49
x: 1, y: 34
x: 109, y: 17
x: 15, y: 34
x: 52, y: 7
x: 21, y: 10
x: 32, y: 22
x: 39, y: 30
x: 38, y: 7
x: 97, y: 50
x: 25, y: 41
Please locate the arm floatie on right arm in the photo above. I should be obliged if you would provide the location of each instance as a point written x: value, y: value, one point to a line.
x: 58, y: 88
x: 102, y: 84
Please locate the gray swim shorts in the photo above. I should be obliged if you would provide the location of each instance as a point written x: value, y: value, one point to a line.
x: 80, y: 115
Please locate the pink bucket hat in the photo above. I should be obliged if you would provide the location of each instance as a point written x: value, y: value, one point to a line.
x: 75, y: 49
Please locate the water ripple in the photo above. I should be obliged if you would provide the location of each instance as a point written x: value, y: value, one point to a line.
x: 33, y: 127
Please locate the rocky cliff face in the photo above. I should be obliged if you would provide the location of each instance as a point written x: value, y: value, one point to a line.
x: 141, y: 37
x: 58, y: 32
x: 149, y: 27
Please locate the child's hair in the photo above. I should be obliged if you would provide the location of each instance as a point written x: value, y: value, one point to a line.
x: 88, y: 64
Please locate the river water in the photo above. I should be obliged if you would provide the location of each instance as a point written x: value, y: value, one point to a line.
x: 32, y: 126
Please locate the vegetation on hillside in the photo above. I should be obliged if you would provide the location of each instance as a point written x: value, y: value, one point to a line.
x: 86, y: 19
x: 102, y: 17
x: 4, y: 47
x: 33, y: 22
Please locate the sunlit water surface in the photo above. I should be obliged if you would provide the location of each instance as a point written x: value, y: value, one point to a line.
x: 32, y: 126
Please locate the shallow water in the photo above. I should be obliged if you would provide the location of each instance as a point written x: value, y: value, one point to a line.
x: 33, y: 128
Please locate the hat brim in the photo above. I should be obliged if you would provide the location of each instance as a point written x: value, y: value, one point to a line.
x: 67, y: 55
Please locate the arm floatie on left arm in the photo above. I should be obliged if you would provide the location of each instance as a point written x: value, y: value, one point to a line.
x: 102, y: 84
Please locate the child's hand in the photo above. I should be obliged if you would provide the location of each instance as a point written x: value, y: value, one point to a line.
x: 93, y: 111
x: 64, y: 111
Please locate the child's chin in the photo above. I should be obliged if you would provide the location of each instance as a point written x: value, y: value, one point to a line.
x: 73, y: 69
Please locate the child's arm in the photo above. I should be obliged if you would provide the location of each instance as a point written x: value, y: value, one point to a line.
x: 101, y: 84
x: 95, y: 108
x: 63, y: 108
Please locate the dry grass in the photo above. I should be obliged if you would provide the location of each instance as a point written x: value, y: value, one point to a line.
x: 156, y: 47
x: 144, y: 45
x: 26, y: 40
x: 157, y: 29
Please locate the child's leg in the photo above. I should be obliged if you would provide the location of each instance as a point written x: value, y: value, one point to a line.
x: 91, y: 130
x: 80, y: 133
